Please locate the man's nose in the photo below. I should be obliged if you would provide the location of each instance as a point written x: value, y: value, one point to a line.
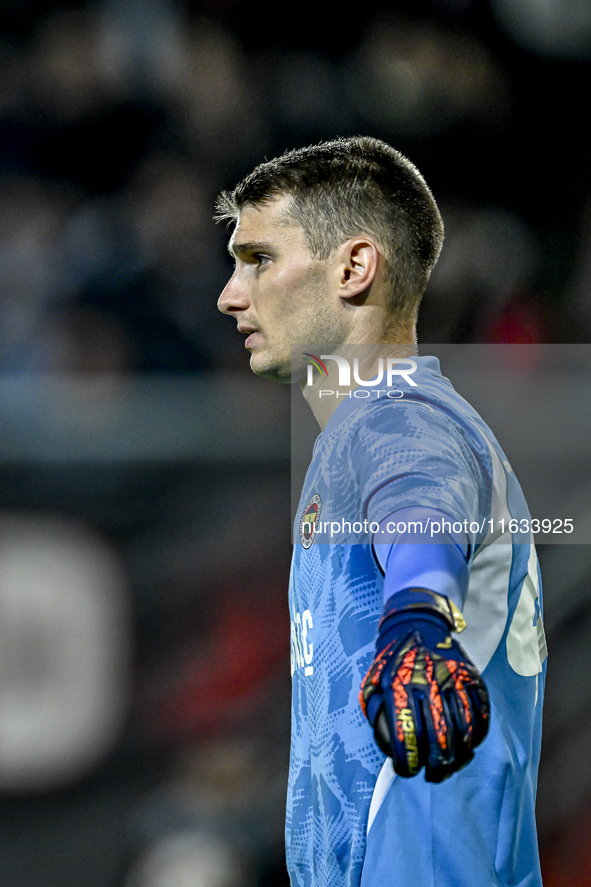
x: 233, y: 298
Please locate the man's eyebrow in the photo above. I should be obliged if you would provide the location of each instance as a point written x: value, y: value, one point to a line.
x: 240, y: 249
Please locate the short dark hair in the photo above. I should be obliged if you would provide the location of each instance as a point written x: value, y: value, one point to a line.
x: 353, y: 186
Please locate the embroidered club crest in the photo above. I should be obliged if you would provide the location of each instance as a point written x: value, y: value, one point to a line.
x: 309, y: 520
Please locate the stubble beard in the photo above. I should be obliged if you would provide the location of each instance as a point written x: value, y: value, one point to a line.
x: 271, y: 367
x: 318, y: 326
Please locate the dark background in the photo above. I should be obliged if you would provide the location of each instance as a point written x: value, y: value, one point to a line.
x: 145, y: 474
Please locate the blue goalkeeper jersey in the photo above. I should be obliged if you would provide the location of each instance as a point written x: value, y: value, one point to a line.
x: 350, y: 819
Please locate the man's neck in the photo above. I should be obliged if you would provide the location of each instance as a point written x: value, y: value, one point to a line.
x: 346, y: 368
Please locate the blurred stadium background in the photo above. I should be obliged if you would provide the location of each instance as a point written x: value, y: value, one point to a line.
x: 145, y: 475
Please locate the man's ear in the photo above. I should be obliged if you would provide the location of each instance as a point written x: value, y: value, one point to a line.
x: 358, y: 266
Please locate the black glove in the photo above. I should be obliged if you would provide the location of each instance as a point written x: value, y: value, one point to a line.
x: 422, y: 695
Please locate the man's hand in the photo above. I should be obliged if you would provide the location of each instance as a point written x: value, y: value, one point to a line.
x: 423, y: 696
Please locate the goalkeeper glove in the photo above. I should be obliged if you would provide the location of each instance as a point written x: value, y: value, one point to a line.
x: 424, y: 698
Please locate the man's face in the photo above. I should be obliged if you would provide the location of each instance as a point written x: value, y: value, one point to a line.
x: 280, y: 295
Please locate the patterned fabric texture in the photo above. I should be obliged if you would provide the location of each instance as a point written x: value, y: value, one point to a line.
x: 350, y: 821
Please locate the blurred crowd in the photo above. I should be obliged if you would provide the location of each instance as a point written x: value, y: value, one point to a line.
x: 120, y: 121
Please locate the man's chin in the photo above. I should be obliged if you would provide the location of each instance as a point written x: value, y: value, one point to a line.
x: 271, y: 369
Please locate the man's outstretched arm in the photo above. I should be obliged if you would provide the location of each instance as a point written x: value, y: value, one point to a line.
x: 423, y: 696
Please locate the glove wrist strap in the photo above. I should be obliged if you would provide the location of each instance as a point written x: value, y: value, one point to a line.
x: 421, y: 599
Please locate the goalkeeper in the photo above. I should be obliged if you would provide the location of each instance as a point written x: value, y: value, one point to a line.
x: 418, y: 653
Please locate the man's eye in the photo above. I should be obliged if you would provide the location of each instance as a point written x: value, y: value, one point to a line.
x: 261, y: 259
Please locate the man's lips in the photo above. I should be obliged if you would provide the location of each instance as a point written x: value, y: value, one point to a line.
x: 251, y: 331
x: 250, y: 340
